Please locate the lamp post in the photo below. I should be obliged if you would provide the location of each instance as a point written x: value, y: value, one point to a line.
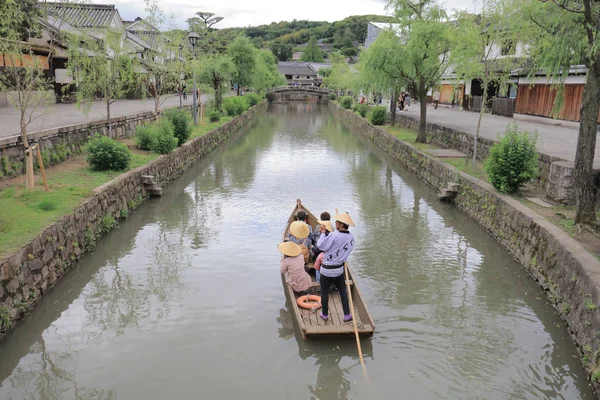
x: 193, y: 37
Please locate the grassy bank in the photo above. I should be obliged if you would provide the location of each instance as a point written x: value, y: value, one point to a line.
x: 24, y: 214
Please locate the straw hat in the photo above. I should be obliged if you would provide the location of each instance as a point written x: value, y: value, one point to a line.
x: 345, y: 218
x: 299, y: 229
x: 327, y: 225
x: 289, y: 249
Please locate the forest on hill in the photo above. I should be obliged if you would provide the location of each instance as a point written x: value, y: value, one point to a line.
x: 283, y: 38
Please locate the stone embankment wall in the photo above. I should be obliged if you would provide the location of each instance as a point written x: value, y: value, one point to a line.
x: 462, y: 141
x: 568, y: 273
x: 28, y: 274
x: 58, y: 144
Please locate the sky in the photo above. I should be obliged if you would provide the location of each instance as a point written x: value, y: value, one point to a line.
x: 241, y: 13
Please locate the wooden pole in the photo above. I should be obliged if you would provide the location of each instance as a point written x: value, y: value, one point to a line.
x: 42, y: 170
x: 29, y: 180
x: 360, y: 354
x: 201, y: 113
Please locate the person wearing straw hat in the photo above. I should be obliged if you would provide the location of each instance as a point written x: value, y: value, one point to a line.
x: 300, y: 234
x: 336, y: 247
x: 292, y: 265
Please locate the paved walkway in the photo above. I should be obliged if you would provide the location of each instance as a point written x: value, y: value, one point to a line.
x: 556, y: 138
x: 58, y: 115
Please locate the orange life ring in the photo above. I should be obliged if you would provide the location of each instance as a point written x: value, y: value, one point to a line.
x: 304, y: 301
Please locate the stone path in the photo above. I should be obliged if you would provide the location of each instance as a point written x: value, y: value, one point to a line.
x: 58, y: 115
x: 556, y: 138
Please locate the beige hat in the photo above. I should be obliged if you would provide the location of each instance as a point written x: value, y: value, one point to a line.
x: 299, y: 229
x: 327, y: 225
x: 345, y: 218
x: 290, y: 249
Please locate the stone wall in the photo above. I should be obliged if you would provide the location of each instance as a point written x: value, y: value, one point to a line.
x: 568, y: 273
x: 58, y: 144
x: 28, y: 274
x: 462, y: 141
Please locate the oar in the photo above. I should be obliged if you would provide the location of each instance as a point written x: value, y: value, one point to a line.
x: 360, y: 354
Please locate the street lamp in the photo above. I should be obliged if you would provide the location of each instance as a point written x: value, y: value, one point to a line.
x: 193, y: 38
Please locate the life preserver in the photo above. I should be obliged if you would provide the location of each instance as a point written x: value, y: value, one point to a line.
x: 308, y: 301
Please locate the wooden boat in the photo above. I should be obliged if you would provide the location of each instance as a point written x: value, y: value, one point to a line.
x: 308, y: 321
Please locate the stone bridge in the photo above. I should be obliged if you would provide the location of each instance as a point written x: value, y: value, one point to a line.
x: 283, y: 94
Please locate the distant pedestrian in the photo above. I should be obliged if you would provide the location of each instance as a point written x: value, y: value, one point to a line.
x: 436, y: 99
x: 407, y: 101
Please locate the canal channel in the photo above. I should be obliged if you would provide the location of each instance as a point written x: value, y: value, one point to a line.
x: 184, y: 298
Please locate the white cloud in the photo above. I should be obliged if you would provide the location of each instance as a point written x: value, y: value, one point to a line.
x: 241, y: 13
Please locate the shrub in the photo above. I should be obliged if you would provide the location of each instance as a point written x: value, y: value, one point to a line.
x: 378, y: 115
x: 106, y: 154
x: 253, y: 99
x: 47, y: 205
x: 513, y: 160
x: 362, y: 109
x: 346, y: 102
x: 332, y: 96
x: 163, y: 140
x: 143, y: 136
x: 235, y: 105
x: 214, y: 116
x: 182, y: 127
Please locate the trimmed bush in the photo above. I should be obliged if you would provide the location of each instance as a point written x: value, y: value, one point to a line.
x: 164, y: 140
x: 378, y: 115
x: 346, y: 102
x: 182, y: 127
x: 362, y: 109
x: 513, y: 160
x: 106, y: 154
x: 143, y: 136
x: 253, y: 99
x: 214, y: 116
x: 235, y: 106
x: 332, y: 96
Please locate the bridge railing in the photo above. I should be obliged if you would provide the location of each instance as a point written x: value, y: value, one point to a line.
x: 298, y: 88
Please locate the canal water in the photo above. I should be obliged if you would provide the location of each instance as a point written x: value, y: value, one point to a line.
x: 184, y: 299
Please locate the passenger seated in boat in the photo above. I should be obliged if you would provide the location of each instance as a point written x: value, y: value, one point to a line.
x: 292, y: 265
x: 319, y: 259
x: 302, y: 236
x: 315, y: 251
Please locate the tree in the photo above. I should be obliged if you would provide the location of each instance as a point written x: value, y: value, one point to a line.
x: 424, y: 32
x: 561, y: 34
x: 382, y: 68
x: 341, y: 78
x: 312, y: 52
x: 100, y: 66
x: 266, y: 74
x: 215, y: 71
x: 477, y: 43
x: 243, y: 55
x: 283, y: 51
x: 209, y: 18
x: 23, y: 78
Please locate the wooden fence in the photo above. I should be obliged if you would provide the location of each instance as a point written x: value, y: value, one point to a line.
x: 504, y: 107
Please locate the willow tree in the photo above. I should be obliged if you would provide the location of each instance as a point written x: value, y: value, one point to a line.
x: 484, y: 48
x: 23, y: 78
x: 215, y: 72
x: 266, y: 74
x: 243, y: 56
x: 381, y: 67
x: 561, y: 34
x: 100, y: 66
x: 425, y: 34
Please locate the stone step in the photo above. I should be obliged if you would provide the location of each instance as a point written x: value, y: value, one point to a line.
x: 156, y: 192
x: 148, y: 179
x: 153, y: 186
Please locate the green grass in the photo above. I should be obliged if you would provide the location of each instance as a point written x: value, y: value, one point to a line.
x: 459, y: 163
x: 26, y: 213
x: 204, y: 128
x: 407, y: 135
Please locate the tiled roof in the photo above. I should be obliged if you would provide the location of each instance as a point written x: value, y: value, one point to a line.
x: 149, y: 37
x: 296, y: 68
x: 83, y: 15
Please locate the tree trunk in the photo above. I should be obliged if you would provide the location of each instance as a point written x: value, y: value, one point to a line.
x: 422, y: 136
x: 393, y: 109
x: 585, y: 188
x: 238, y: 89
x: 28, y: 164
x: 218, y: 97
x: 108, y: 116
x: 481, y: 112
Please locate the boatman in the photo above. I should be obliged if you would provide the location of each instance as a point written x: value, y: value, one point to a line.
x: 337, y: 247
